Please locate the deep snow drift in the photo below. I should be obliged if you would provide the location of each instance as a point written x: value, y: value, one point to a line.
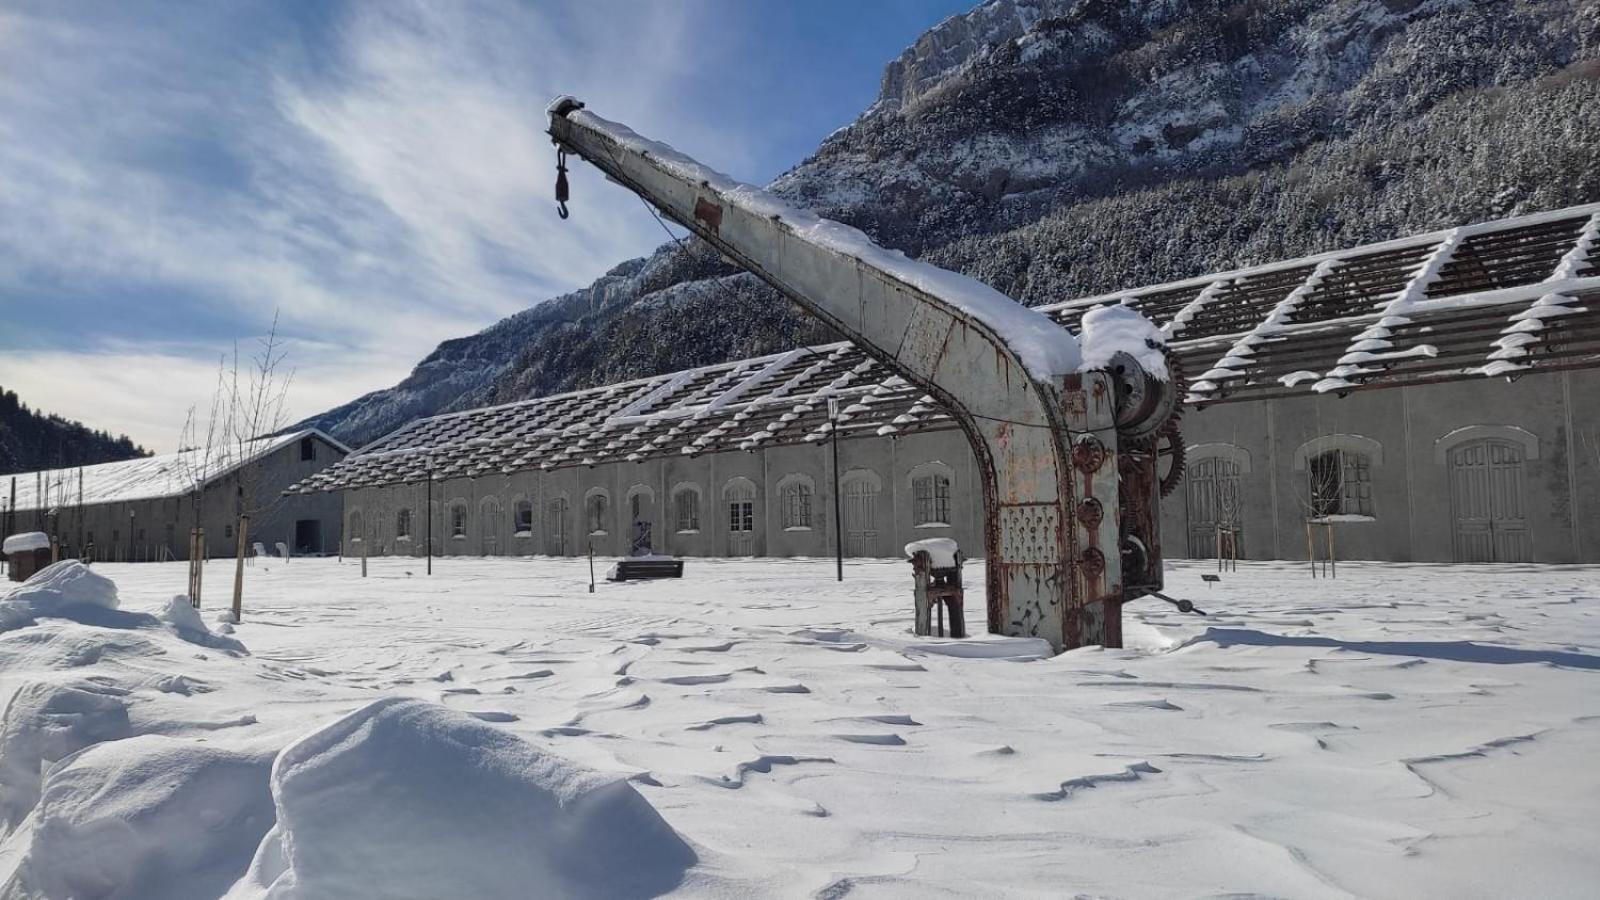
x: 758, y: 730
x: 403, y: 798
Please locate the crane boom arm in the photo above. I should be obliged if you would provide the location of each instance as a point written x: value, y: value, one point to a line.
x: 1044, y: 433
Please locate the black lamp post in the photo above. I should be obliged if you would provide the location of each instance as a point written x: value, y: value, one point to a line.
x: 838, y: 510
x: 430, y: 517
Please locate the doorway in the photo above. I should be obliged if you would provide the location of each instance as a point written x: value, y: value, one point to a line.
x: 861, y: 517
x: 1487, y: 502
x: 308, y: 536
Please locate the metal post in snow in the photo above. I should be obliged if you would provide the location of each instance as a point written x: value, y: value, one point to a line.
x: 430, y: 518
x: 838, y: 510
x: 591, y: 564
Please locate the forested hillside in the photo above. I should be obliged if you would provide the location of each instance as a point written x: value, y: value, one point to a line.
x: 1061, y: 148
x: 31, y: 440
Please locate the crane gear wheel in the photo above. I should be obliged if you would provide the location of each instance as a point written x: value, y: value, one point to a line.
x: 1169, y: 444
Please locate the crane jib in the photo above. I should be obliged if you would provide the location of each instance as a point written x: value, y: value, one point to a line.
x: 1066, y: 454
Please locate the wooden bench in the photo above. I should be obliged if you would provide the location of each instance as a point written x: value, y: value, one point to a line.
x: 634, y: 569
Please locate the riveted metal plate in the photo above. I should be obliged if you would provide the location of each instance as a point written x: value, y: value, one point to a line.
x: 1030, y: 534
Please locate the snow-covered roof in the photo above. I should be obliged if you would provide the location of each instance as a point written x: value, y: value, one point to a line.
x: 1500, y: 298
x: 146, y: 478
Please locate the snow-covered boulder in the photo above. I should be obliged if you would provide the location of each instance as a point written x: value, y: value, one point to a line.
x: 403, y: 798
x: 149, y: 816
x: 62, y: 586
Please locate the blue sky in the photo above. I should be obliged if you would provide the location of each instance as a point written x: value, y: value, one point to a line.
x: 172, y: 174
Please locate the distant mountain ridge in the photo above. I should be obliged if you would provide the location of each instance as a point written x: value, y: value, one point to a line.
x: 32, y: 440
x: 1060, y: 148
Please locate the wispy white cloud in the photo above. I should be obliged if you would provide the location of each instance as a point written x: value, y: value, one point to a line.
x: 379, y: 175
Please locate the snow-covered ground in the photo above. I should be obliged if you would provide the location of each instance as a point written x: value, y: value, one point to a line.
x: 758, y: 730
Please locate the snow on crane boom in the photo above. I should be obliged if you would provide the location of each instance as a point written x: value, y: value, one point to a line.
x: 1056, y: 427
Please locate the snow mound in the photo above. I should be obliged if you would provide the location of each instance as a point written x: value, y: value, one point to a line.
x: 182, y: 615
x: 403, y: 798
x: 46, y: 722
x: 942, y: 551
x: 25, y: 542
x: 62, y: 586
x: 149, y: 816
x: 186, y: 621
x: 1109, y: 330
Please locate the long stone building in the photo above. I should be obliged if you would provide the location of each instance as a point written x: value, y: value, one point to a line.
x: 143, y: 509
x: 1433, y: 398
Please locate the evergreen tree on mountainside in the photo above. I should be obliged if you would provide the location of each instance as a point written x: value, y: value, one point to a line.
x: 1063, y: 148
x: 31, y: 440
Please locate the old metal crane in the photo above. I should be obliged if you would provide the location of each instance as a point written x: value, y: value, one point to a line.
x: 1065, y: 435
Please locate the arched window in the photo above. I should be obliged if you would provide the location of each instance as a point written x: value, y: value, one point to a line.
x: 597, y: 509
x: 930, y: 499
x: 356, y: 530
x: 686, y: 509
x: 1338, y: 471
x: 796, y: 495
x: 458, y: 520
x: 402, y: 525
x: 522, y: 517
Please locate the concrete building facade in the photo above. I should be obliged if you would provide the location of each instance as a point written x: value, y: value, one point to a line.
x: 144, y: 509
x: 1435, y: 398
x: 1461, y: 472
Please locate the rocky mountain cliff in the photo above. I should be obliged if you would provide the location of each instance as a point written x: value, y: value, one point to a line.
x: 1059, y: 148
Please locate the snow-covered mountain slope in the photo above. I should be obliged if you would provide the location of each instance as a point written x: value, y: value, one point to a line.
x: 1057, y: 148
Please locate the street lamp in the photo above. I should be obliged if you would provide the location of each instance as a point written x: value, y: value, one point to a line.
x: 430, y: 516
x: 838, y: 513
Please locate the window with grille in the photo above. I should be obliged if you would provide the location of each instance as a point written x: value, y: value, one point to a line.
x: 458, y: 521
x: 1341, y: 483
x: 741, y: 516
x: 687, y: 505
x: 402, y: 524
x: 930, y: 500
x: 355, y: 525
x: 797, y: 505
x: 598, y: 506
x: 522, y: 517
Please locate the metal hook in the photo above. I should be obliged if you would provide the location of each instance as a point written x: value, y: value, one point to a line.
x: 562, y: 191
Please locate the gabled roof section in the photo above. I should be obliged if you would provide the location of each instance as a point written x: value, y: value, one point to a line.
x: 1496, y: 299
x: 147, y: 478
